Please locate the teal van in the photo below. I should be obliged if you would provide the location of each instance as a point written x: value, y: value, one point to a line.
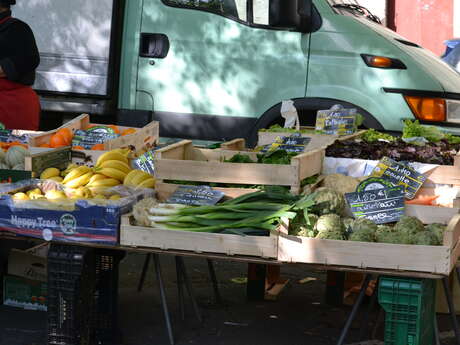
x: 219, y: 69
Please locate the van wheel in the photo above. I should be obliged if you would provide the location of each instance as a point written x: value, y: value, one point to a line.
x: 307, y: 110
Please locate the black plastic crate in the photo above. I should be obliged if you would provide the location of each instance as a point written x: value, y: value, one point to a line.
x: 71, y: 285
x: 105, y: 317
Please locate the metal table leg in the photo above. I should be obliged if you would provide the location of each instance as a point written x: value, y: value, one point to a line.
x: 436, y: 332
x: 215, y: 284
x: 164, y: 303
x: 189, y: 288
x: 453, y: 315
x: 355, y: 309
x: 180, y: 288
x: 144, y: 273
x: 365, y: 320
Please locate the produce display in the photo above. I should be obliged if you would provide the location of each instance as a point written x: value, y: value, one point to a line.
x: 13, y: 158
x: 251, y: 214
x: 111, y: 169
x: 92, y: 138
x: 423, y: 144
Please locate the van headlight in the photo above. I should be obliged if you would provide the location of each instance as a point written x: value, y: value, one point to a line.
x: 453, y: 110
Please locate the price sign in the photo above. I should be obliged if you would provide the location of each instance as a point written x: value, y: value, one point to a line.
x: 336, y: 122
x: 379, y: 205
x: 399, y: 175
x: 145, y: 162
x: 195, y: 196
x: 294, y: 143
x: 7, y: 136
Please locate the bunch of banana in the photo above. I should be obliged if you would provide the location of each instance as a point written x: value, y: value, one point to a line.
x: 139, y: 179
x: 51, y: 174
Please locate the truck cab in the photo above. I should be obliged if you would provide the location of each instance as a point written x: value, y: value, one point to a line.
x: 220, y: 69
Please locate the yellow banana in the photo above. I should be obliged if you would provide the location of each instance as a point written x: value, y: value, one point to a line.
x: 82, y: 193
x: 148, y: 183
x: 96, y: 177
x: 98, y: 190
x: 130, y: 176
x: 115, y: 197
x: 124, y: 152
x: 113, y: 173
x: 50, y: 172
x: 108, y: 182
x: 56, y: 178
x: 140, y: 177
x: 79, y: 181
x: 75, y: 173
x: 111, y: 155
x: 122, y: 166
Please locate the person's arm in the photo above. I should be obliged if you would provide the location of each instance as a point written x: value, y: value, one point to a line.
x: 23, y: 54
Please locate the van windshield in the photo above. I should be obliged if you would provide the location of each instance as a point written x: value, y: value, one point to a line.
x: 353, y: 8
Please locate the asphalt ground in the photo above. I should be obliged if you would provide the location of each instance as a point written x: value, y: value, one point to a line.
x: 297, y: 317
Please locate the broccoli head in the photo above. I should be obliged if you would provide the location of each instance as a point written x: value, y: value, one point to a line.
x: 304, y: 228
x: 330, y: 227
x: 438, y: 230
x: 426, y: 238
x: 363, y: 230
x: 387, y: 234
x: 328, y: 201
x: 407, y: 228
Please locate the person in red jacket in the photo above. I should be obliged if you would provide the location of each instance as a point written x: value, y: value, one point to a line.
x: 19, y: 57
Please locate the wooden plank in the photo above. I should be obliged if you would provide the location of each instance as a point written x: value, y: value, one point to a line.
x: 238, y: 173
x: 234, y: 145
x: 452, y: 233
x: 431, y: 214
x: 164, y: 190
x: 430, y: 259
x: 444, y: 174
x: 146, y: 136
x: 219, y: 155
x: 260, y: 246
x: 310, y: 163
x: 173, y: 151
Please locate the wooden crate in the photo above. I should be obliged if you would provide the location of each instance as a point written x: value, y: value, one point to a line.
x: 139, y: 236
x: 147, y: 136
x: 318, y: 141
x: 182, y: 161
x: 380, y: 256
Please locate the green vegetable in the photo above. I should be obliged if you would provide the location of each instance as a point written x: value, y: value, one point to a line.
x: 452, y: 139
x: 328, y: 201
x: 239, y: 158
x: 330, y: 227
x: 426, y: 238
x: 363, y: 230
x: 279, y: 129
x: 371, y: 135
x: 438, y: 230
x: 276, y: 157
x: 415, y: 129
x: 408, y: 227
x: 387, y: 234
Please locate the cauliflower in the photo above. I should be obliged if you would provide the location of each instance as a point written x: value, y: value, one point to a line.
x: 301, y: 228
x: 330, y: 227
x: 438, y: 230
x: 348, y: 222
x: 340, y: 183
x: 328, y: 201
x: 387, y: 234
x: 363, y: 230
x: 427, y: 238
x: 407, y: 228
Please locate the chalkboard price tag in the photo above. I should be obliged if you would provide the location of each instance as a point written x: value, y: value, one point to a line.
x: 379, y: 205
x: 336, y: 122
x: 294, y: 143
x: 195, y: 196
x: 400, y: 175
x: 145, y: 162
x: 11, y: 176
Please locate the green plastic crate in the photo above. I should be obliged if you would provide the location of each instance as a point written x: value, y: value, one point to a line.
x: 409, y: 305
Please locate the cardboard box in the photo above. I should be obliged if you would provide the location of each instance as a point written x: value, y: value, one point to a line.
x: 23, y: 293
x: 31, y: 264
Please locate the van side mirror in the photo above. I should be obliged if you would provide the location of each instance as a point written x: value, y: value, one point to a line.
x: 290, y: 14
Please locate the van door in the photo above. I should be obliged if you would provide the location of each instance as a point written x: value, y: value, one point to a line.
x: 225, y: 66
